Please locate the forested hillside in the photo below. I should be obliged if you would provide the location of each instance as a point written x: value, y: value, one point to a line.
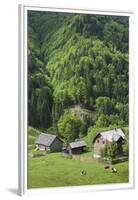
x: 78, y: 72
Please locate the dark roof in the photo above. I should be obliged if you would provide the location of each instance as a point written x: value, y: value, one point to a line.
x: 111, y: 135
x: 77, y: 144
x: 46, y: 139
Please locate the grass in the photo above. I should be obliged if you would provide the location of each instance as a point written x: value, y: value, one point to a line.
x: 56, y: 170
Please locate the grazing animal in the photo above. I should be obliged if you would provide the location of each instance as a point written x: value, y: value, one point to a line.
x: 114, y: 170
x: 83, y: 173
x: 107, y: 167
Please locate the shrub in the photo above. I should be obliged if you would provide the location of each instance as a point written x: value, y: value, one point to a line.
x: 112, y: 150
x: 31, y: 146
x: 38, y: 154
x: 126, y: 148
x: 31, y: 139
x: 103, y: 152
x: 69, y: 126
x: 33, y: 132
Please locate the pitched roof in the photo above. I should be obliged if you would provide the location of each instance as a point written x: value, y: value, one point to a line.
x: 45, y: 139
x: 112, y: 135
x: 77, y: 144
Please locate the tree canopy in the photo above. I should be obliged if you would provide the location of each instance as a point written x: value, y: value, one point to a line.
x: 77, y: 59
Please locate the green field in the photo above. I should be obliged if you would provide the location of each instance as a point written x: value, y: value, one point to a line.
x: 56, y: 170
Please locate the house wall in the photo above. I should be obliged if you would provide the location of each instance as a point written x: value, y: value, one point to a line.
x: 78, y: 150
x: 101, y: 143
x: 42, y: 147
x: 98, y: 145
x: 56, y: 145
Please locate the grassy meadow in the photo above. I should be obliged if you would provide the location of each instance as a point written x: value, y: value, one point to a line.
x: 56, y: 170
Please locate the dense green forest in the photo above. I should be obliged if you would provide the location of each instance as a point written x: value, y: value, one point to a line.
x: 77, y: 72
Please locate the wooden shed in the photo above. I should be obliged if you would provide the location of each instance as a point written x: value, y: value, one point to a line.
x: 49, y: 142
x: 104, y: 138
x: 77, y: 147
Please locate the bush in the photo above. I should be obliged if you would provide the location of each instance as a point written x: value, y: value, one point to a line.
x: 31, y: 139
x: 31, y: 146
x: 69, y: 126
x: 33, y: 132
x: 104, y: 152
x: 38, y: 154
x: 126, y: 148
x: 112, y: 150
x: 52, y: 130
x: 126, y: 131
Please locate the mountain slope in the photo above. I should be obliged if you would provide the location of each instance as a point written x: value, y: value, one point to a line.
x: 73, y: 60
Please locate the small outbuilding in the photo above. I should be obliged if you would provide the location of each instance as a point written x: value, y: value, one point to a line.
x: 104, y: 138
x: 49, y: 142
x: 77, y: 147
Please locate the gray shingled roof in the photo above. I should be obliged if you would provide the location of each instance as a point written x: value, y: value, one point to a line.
x: 113, y: 135
x: 77, y: 144
x: 46, y: 139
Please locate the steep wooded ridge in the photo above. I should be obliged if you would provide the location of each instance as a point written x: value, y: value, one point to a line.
x: 78, y: 72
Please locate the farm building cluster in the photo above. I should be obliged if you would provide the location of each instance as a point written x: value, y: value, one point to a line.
x: 53, y: 143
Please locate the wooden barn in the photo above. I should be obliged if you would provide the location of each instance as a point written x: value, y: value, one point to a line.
x: 49, y: 142
x: 104, y: 138
x: 77, y: 147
